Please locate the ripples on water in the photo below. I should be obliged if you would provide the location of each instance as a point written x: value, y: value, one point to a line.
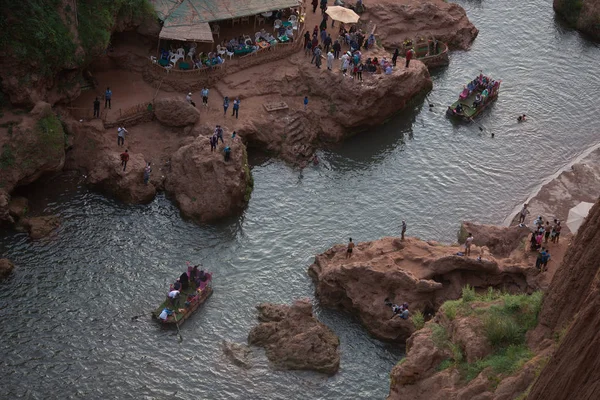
x: 66, y: 312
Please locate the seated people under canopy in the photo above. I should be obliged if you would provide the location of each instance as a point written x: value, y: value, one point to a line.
x: 459, y: 108
x: 401, y: 311
x: 164, y: 315
x: 185, y: 281
x: 477, y: 101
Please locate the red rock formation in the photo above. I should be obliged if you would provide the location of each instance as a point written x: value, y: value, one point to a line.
x: 39, y: 227
x: 420, y: 273
x: 175, y: 112
x: 6, y: 268
x: 572, y: 303
x: 398, y: 20
x: 204, y: 185
x: 584, y: 15
x: 294, y: 339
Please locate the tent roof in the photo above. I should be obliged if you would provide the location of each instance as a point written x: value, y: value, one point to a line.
x: 217, y: 10
x: 193, y: 33
x: 188, y: 19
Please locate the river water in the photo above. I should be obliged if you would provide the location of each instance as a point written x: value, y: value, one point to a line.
x: 66, y: 312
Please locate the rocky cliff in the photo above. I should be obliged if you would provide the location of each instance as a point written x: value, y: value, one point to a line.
x: 398, y: 20
x: 424, y: 274
x: 32, y: 144
x: 570, y: 310
x: 582, y: 14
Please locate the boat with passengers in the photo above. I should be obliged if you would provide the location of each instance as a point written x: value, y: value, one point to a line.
x: 476, y: 96
x: 190, y: 290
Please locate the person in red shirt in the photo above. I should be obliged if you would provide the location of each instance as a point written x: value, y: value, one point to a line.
x: 409, y: 55
x: 124, y: 159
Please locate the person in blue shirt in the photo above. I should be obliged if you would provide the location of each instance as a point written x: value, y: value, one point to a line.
x: 107, y: 97
x: 225, y: 105
x: 236, y: 107
x: 305, y: 102
x: 227, y: 153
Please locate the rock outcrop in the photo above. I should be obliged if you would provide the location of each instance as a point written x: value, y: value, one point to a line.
x: 6, y: 268
x: 175, y: 112
x: 424, y: 274
x: 398, y: 20
x: 294, y: 339
x: 499, y: 240
x: 570, y: 310
x: 39, y: 227
x: 204, y: 185
x: 31, y: 147
x: 239, y: 354
x: 583, y: 15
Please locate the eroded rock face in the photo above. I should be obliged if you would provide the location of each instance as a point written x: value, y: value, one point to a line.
x: 420, y: 273
x: 204, y: 185
x: 294, y: 339
x: 572, y: 303
x: 500, y: 240
x: 175, y: 112
x: 6, y: 268
x: 398, y: 20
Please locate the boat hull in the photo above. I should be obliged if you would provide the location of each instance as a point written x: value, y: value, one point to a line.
x: 181, y: 312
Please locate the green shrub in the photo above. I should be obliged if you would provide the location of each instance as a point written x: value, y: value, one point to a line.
x: 505, y: 361
x: 439, y: 336
x: 418, y: 320
x: 502, y: 331
x: 468, y: 294
x: 447, y: 363
x: 450, y: 308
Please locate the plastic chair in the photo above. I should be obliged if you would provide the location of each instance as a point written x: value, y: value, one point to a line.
x: 276, y: 24
x: 221, y: 50
x: 153, y: 59
x: 191, y: 53
x: 229, y: 53
x: 246, y: 19
x: 260, y: 19
x: 257, y: 36
x: 234, y: 21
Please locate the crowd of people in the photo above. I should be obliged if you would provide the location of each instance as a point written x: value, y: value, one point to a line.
x: 543, y: 232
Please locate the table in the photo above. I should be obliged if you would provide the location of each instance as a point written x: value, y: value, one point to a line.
x: 163, y: 63
x: 286, y: 24
x: 267, y: 14
x: 262, y: 45
x: 184, y: 66
x: 245, y: 50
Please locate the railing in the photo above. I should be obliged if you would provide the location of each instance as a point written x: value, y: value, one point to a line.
x: 135, y: 110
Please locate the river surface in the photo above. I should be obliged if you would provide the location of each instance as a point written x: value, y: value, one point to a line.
x: 66, y: 328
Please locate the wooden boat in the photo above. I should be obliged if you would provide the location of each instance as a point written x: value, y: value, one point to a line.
x: 467, y: 99
x: 430, y: 52
x: 186, y: 304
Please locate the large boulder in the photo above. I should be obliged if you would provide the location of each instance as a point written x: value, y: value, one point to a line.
x: 397, y: 20
x: 294, y: 339
x: 582, y: 14
x: 39, y: 227
x: 204, y: 185
x: 500, y: 240
x: 18, y: 207
x: 6, y: 268
x: 175, y: 112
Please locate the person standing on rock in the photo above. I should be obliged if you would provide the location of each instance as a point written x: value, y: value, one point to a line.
x: 330, y: 58
x: 403, y: 230
x: 107, y: 97
x: 121, y: 131
x: 350, y: 248
x: 409, y: 56
x: 96, y: 108
x: 318, y: 53
x: 557, y: 230
x: 227, y: 152
x: 213, y: 142
x: 305, y: 102
x: 547, y: 231
x: 337, y: 47
x: 236, y: 107
x: 315, y: 4
x: 468, y: 244
x: 188, y: 98
x: 225, y: 105
x: 545, y: 260
x: 219, y: 134
x: 147, y: 171
x: 124, y: 159
x: 327, y: 43
x: 204, y: 93
x: 395, y: 56
x: 523, y: 214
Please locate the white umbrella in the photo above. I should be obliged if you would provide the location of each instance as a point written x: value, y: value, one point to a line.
x: 577, y: 214
x: 342, y: 14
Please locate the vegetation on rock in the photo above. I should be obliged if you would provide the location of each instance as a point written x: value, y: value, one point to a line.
x: 505, y: 318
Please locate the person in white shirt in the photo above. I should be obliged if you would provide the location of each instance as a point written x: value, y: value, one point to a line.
x: 173, y: 295
x: 188, y: 98
x: 468, y: 244
x: 121, y: 136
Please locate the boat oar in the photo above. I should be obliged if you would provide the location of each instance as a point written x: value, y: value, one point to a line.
x: 135, y: 317
x: 178, y: 331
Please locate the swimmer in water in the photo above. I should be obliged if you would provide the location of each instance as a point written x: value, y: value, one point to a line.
x: 522, y: 118
x: 315, y: 160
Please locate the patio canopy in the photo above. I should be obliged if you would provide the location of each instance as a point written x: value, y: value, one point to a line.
x: 197, y: 11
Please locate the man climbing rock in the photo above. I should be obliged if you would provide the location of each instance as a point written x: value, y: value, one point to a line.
x: 124, y: 159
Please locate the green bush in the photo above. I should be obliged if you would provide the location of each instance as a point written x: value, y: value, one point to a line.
x: 450, y: 308
x: 439, y: 336
x: 505, y: 361
x: 418, y: 320
x: 468, y: 294
x: 502, y: 331
x: 447, y: 363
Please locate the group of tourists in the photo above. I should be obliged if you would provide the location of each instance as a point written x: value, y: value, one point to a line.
x: 542, y: 233
x: 398, y: 310
x: 194, y: 278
